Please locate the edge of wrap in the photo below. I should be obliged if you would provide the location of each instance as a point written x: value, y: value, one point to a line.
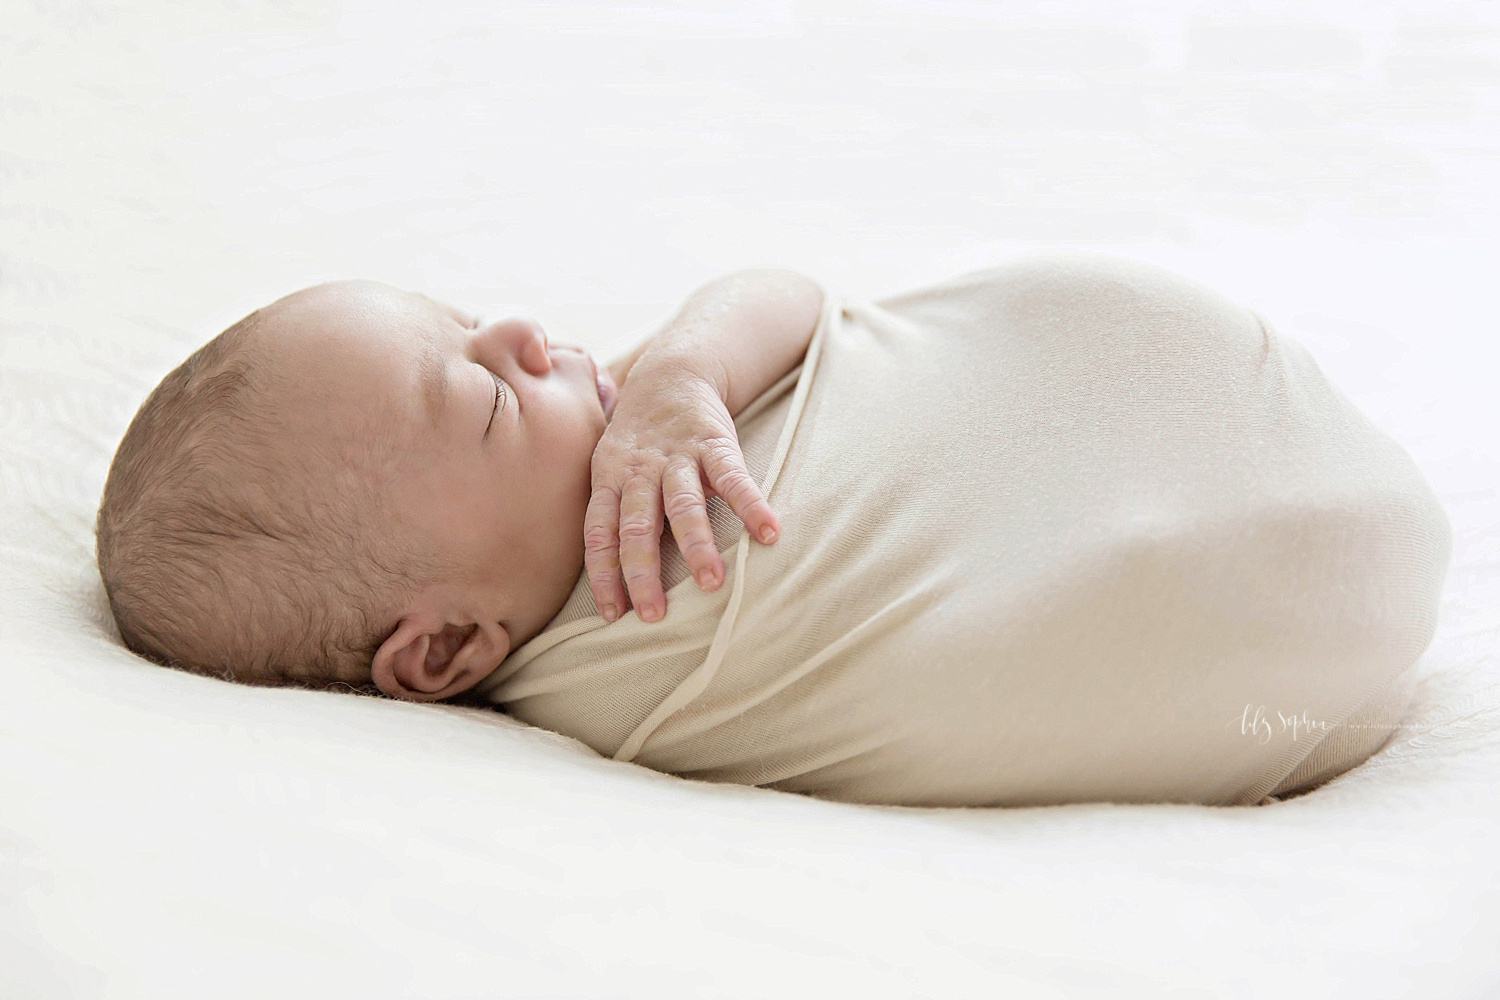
x: 697, y: 682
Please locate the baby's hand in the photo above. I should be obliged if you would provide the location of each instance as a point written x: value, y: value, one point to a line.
x: 670, y: 445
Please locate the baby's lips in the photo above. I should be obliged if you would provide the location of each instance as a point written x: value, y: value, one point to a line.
x: 609, y: 393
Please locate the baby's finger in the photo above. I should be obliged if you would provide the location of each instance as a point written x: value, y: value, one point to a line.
x: 725, y: 466
x: 601, y: 552
x: 687, y: 513
x: 640, y: 546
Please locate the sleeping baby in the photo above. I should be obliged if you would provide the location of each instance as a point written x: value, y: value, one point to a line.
x: 1070, y: 528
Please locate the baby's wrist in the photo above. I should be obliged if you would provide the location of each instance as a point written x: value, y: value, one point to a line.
x: 740, y: 333
x: 676, y: 360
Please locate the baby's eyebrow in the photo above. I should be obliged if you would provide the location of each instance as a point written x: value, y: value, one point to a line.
x: 434, y: 381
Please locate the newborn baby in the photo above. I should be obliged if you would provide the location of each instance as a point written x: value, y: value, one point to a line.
x: 359, y: 483
x: 1073, y: 528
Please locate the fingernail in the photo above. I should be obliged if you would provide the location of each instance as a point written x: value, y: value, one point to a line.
x: 609, y: 612
x: 705, y: 578
x: 651, y: 612
x: 768, y: 534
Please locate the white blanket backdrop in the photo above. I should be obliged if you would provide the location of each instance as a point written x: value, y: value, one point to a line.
x: 164, y: 169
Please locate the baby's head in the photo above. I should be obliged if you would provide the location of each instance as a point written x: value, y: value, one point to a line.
x: 353, y: 484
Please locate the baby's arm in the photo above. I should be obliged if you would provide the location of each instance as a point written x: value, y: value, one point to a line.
x: 671, y: 442
x: 741, y: 332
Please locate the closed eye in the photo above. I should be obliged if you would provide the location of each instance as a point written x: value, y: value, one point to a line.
x: 500, y: 397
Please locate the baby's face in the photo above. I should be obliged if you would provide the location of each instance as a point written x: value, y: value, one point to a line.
x: 491, y: 433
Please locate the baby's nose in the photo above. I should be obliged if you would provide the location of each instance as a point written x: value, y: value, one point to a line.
x: 522, y: 336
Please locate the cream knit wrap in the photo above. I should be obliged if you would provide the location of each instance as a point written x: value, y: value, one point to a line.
x: 1073, y: 528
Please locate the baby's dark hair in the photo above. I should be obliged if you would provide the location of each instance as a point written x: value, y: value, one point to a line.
x: 224, y: 552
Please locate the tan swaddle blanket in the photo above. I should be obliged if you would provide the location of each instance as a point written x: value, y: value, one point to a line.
x: 1073, y: 528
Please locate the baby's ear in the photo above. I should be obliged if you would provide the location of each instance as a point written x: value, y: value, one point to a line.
x: 428, y: 659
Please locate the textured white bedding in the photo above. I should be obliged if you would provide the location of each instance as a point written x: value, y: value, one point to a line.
x: 164, y: 171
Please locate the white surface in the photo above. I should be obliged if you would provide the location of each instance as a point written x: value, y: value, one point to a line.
x: 163, y: 170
